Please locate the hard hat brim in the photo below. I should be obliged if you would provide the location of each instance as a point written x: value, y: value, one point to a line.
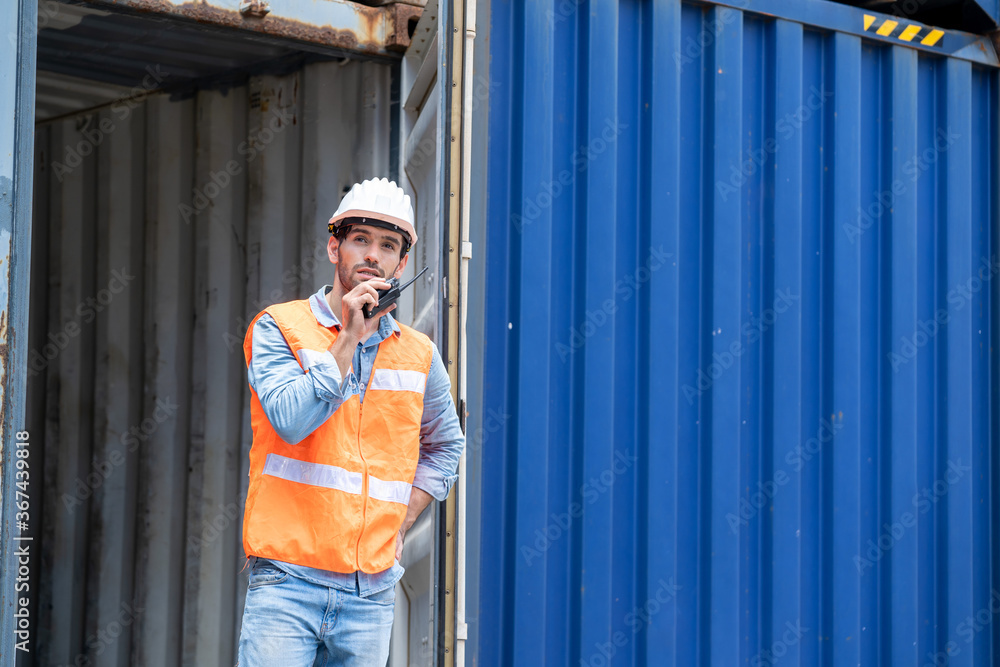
x: 403, y: 225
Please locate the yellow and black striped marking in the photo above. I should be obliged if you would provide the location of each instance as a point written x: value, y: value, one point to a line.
x: 907, y: 32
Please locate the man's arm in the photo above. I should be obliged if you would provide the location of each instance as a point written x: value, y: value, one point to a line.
x: 419, y: 500
x: 295, y: 402
x: 441, y: 437
x: 441, y: 445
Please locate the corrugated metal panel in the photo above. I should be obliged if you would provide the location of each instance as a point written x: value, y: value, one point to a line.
x: 163, y: 231
x: 728, y: 429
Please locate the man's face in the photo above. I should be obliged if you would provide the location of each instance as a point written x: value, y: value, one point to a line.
x: 367, y: 252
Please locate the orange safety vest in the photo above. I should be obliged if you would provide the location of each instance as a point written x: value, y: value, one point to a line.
x: 336, y: 500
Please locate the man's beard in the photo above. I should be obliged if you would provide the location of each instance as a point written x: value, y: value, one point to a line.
x: 348, y: 277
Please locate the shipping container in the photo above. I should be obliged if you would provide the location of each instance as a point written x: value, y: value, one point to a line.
x: 185, y: 162
x: 738, y: 380
x: 726, y: 358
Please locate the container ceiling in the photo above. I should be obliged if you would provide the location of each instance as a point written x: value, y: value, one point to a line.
x: 89, y: 57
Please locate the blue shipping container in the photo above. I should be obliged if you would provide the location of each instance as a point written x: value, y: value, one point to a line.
x: 741, y: 281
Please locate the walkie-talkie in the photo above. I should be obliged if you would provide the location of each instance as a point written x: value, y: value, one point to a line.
x: 389, y: 296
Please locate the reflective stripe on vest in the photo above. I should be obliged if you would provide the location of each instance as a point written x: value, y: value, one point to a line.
x: 315, y: 474
x: 332, y: 477
x: 393, y: 380
x: 392, y: 492
x: 336, y: 500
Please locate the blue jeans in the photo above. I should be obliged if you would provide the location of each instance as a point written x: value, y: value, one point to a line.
x: 290, y: 622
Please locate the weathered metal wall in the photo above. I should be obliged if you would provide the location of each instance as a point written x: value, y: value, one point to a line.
x: 17, y: 83
x: 739, y: 373
x: 163, y: 227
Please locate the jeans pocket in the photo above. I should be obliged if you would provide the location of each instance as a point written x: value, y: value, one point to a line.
x: 266, y: 575
x: 386, y: 597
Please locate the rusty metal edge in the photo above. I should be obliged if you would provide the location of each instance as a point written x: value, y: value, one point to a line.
x: 398, y: 29
x: 277, y: 29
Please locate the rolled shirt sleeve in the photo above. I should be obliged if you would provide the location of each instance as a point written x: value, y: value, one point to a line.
x: 441, y: 437
x: 295, y: 402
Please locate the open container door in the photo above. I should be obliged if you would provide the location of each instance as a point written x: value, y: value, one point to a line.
x: 214, y: 197
x: 429, y: 623
x: 418, y: 604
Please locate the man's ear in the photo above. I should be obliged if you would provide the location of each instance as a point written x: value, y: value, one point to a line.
x: 402, y: 265
x: 333, y: 249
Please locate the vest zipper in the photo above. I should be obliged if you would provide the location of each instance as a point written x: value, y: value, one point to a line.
x: 364, y: 481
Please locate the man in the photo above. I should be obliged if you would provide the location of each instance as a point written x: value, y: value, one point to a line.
x: 354, y: 433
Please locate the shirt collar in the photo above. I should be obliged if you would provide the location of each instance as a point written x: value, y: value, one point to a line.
x: 326, y: 317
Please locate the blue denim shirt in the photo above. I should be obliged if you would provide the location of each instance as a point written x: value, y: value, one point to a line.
x: 297, y: 403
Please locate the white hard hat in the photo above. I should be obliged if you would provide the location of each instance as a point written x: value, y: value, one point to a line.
x: 379, y: 202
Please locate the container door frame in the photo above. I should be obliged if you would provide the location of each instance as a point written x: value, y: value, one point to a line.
x: 430, y: 171
x: 18, y: 26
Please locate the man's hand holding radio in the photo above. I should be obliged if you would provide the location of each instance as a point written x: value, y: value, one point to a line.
x: 355, y: 327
